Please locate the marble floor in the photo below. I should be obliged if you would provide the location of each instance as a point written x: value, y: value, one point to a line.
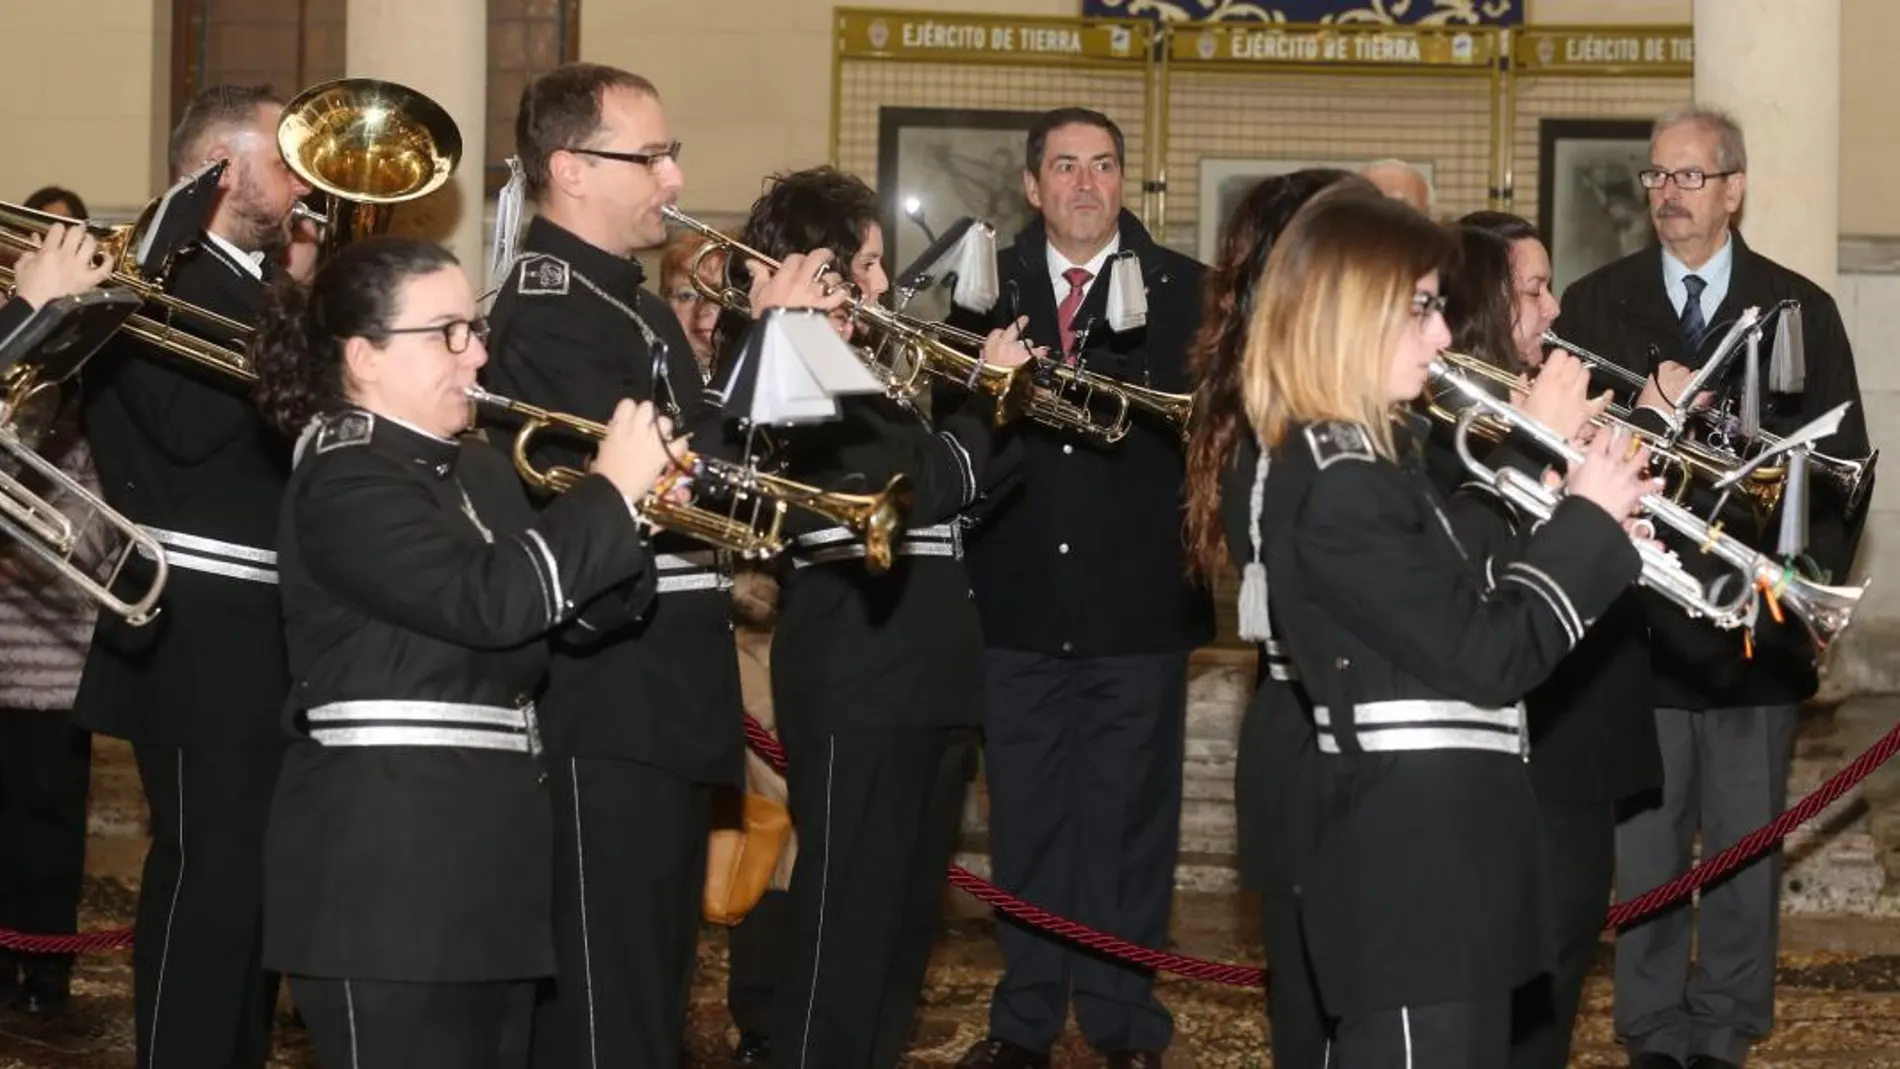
x: 1839, y: 1003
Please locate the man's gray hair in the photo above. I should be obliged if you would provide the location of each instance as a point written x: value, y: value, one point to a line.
x: 1731, y: 151
x: 1396, y: 164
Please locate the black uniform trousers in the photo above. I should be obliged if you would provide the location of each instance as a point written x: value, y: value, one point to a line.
x: 372, y: 1024
x: 201, y: 997
x: 45, y: 768
x: 877, y: 813
x: 629, y: 888
x: 1471, y: 1034
x: 1577, y: 841
x: 1083, y: 758
x: 756, y: 960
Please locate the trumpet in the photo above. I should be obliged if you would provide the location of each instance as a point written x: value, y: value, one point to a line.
x: 1680, y: 462
x: 1825, y: 611
x: 874, y: 518
x: 1009, y: 387
x: 1851, y: 477
x: 1078, y: 399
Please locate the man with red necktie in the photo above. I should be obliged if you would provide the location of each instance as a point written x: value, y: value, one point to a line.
x: 1088, y: 618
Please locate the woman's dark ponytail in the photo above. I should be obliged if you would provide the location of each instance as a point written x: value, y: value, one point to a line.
x: 297, y: 348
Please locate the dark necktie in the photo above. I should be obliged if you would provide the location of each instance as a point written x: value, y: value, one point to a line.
x: 1078, y: 280
x: 1692, y: 324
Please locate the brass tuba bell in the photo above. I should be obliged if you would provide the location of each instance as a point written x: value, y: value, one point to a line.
x: 365, y: 145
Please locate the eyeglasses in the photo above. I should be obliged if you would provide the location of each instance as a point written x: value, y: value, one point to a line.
x: 455, y: 333
x: 644, y: 159
x: 1424, y: 304
x: 1686, y: 179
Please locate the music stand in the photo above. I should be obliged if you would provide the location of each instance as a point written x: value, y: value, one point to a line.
x: 178, y: 221
x: 59, y: 337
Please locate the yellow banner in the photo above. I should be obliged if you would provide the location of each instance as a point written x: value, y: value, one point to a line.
x: 1333, y: 46
x: 1664, y: 49
x: 916, y: 35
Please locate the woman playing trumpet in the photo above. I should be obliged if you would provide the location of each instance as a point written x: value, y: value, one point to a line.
x: 408, y: 852
x: 1420, y: 910
x: 877, y: 680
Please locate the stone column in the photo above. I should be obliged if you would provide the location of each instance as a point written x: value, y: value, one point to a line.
x: 440, y: 49
x: 1776, y: 66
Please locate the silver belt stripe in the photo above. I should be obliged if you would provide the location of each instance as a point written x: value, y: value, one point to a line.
x: 423, y: 723
x: 1428, y: 724
x: 677, y: 584
x: 830, y: 535
x: 516, y: 742
x: 854, y: 552
x: 680, y: 562
x: 211, y: 545
x: 189, y: 551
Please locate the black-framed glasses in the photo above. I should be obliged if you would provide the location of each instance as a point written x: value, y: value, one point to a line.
x: 1424, y: 304
x: 644, y: 159
x: 455, y: 333
x: 1687, y: 178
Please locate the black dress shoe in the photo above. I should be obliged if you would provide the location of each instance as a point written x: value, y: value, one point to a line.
x: 996, y: 1053
x: 1654, y: 1060
x: 1704, y: 1061
x: 1134, y: 1059
x: 753, y: 1050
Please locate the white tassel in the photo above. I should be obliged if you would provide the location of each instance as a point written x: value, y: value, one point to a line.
x: 1788, y: 366
x: 1127, y: 293
x: 504, y: 246
x: 1256, y: 623
x: 973, y: 262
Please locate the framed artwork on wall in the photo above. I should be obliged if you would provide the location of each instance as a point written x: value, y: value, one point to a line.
x: 1590, y: 204
x: 1225, y: 181
x: 952, y: 162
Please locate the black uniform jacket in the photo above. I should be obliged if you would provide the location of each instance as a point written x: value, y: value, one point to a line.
x: 664, y: 691
x: 903, y: 649
x: 1622, y: 311
x: 1592, y: 736
x: 13, y: 315
x: 1080, y: 552
x: 183, y: 450
x: 1423, y: 884
x: 414, y: 570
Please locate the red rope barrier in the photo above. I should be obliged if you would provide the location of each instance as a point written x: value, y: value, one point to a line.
x: 1232, y: 975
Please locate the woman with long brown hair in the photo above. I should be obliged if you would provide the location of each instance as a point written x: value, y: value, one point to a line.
x: 1277, y: 763
x: 1419, y: 902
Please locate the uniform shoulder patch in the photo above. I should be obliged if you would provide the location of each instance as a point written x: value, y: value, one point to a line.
x: 1336, y: 441
x: 345, y: 429
x: 540, y: 275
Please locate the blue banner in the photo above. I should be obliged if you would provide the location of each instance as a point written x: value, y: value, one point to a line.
x: 1362, y: 12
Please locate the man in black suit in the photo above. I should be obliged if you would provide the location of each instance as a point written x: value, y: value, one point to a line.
x: 1725, y: 717
x: 1088, y: 617
x: 183, y: 451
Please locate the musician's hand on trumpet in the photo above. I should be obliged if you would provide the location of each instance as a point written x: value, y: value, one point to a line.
x: 1006, y: 347
x: 1612, y: 475
x: 62, y: 264
x: 1661, y: 389
x: 1559, y: 399
x: 638, y: 450
x: 804, y: 280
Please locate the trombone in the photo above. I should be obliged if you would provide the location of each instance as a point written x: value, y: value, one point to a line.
x: 1071, y: 402
x: 1681, y: 462
x: 1010, y: 388
x: 1826, y: 611
x: 874, y: 518
x: 1851, y: 477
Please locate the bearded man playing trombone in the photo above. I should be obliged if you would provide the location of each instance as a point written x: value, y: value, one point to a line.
x: 197, y: 692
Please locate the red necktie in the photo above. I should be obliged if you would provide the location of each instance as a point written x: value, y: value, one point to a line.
x: 1078, y: 280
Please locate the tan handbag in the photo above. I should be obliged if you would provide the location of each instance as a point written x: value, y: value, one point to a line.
x: 740, y: 861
